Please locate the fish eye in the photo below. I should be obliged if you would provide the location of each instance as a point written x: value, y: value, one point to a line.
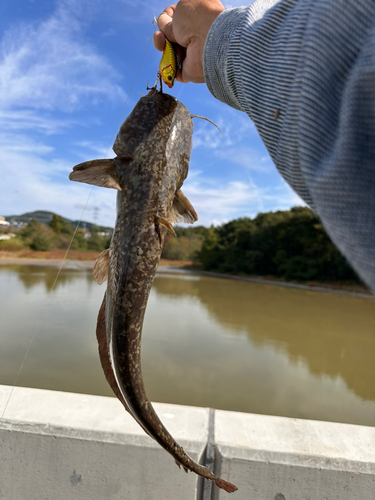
x: 169, y: 77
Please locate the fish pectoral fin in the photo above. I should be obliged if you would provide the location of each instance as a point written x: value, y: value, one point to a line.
x: 165, y: 222
x: 97, y: 172
x: 182, y: 209
x: 101, y: 267
x: 179, y: 466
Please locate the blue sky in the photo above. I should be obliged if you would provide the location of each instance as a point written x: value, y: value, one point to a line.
x: 66, y: 68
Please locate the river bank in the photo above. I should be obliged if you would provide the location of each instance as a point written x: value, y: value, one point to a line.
x: 74, y: 259
x: 86, y: 260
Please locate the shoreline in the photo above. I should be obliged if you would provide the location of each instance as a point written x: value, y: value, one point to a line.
x: 167, y: 267
x: 318, y: 287
x: 29, y: 261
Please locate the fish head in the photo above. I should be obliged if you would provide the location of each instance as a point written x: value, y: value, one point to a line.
x: 145, y: 121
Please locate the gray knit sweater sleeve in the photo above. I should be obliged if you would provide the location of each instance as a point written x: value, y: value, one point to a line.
x: 311, y: 64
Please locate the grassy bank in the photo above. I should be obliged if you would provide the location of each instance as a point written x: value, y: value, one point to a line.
x: 31, y: 256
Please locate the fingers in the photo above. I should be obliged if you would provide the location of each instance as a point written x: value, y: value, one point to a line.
x: 170, y: 10
x: 165, y: 22
x: 186, y: 25
x: 166, y: 29
x: 159, y: 40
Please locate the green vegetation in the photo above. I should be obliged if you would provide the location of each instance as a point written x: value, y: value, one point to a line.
x: 291, y: 244
x: 97, y: 241
x: 56, y: 235
x: 37, y: 236
x: 12, y: 245
x: 187, y: 245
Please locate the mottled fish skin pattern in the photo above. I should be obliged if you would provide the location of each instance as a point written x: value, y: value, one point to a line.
x: 158, y: 136
x: 153, y: 150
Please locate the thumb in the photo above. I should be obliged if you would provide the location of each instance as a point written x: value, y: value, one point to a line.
x: 165, y: 23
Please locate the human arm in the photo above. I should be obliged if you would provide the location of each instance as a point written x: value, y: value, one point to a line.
x: 313, y: 62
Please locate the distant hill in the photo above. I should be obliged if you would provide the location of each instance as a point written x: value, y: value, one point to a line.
x: 44, y: 217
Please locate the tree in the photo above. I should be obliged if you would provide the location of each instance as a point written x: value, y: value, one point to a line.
x: 60, y: 226
x: 290, y: 244
x: 38, y: 236
x: 96, y: 241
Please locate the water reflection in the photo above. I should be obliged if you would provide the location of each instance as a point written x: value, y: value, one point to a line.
x: 31, y: 276
x: 272, y: 350
x: 63, y: 355
x: 333, y: 334
x: 207, y: 342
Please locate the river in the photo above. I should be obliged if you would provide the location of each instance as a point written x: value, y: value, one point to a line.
x: 207, y: 341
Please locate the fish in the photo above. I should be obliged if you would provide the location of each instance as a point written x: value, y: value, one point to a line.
x: 169, y: 64
x: 152, y: 150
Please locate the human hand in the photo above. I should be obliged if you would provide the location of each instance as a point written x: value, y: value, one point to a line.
x: 186, y: 24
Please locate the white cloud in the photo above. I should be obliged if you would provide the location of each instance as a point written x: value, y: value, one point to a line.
x: 234, y: 126
x: 209, y: 137
x: 29, y: 120
x: 21, y: 144
x: 33, y: 177
x: 46, y: 68
x: 237, y: 130
x: 247, y: 157
x: 143, y: 10
x: 49, y: 65
x: 91, y: 147
x: 217, y: 202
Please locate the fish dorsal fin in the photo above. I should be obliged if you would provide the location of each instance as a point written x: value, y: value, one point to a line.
x: 101, y: 267
x: 182, y: 209
x: 97, y: 172
x: 165, y: 223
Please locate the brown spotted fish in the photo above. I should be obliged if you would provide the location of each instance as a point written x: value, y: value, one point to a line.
x: 153, y: 150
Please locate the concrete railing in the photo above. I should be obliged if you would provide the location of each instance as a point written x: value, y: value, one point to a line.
x: 57, y: 445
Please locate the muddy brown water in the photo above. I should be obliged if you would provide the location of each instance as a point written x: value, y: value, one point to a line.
x: 208, y: 342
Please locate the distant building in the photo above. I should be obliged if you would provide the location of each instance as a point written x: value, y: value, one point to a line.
x: 3, y: 222
x: 7, y: 236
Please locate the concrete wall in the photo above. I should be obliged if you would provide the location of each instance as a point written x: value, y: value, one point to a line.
x: 69, y: 446
x: 278, y: 458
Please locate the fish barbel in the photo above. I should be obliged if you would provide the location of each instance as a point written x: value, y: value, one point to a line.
x: 153, y: 150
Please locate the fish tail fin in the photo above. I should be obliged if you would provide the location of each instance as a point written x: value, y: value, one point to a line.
x: 97, y: 172
x: 225, y: 485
